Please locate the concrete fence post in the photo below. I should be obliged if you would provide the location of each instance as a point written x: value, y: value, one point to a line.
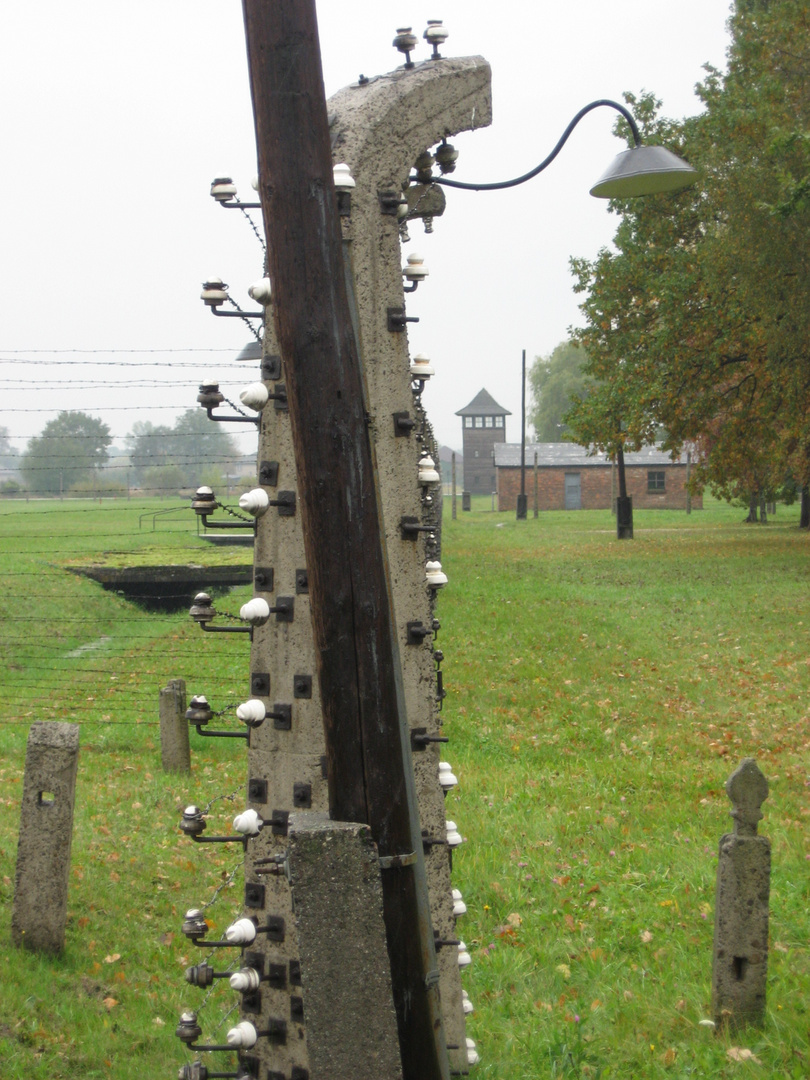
x: 338, y: 903
x: 740, y: 963
x: 175, y: 752
x: 46, y: 831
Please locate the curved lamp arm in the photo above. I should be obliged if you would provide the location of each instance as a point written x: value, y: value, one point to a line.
x: 547, y: 161
x: 641, y: 170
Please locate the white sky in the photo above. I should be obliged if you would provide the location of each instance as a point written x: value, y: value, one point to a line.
x: 116, y: 116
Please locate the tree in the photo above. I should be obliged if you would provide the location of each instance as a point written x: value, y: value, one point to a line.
x: 195, y: 446
x: 71, y: 447
x: 700, y: 320
x: 9, y: 455
x: 555, y: 382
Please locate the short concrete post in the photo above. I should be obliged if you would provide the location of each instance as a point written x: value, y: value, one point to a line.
x: 175, y: 752
x: 46, y: 831
x: 741, y: 906
x: 348, y: 1000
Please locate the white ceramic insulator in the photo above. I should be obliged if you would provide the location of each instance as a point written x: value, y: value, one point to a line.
x: 242, y: 932
x: 427, y: 471
x: 344, y: 181
x: 215, y: 291
x: 243, y: 1035
x: 467, y: 1006
x: 415, y: 269
x: 191, y: 811
x: 421, y: 367
x: 248, y: 823
x: 223, y: 189
x: 473, y: 1057
x: 454, y: 837
x: 254, y: 183
x: 194, y: 913
x: 254, y: 396
x: 251, y: 712
x: 245, y: 979
x: 459, y: 907
x: 260, y: 291
x: 464, y: 958
x: 255, y: 611
x: 254, y: 502
x: 434, y: 575
x: 446, y: 778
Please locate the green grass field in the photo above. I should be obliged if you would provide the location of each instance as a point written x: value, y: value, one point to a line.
x: 599, y: 695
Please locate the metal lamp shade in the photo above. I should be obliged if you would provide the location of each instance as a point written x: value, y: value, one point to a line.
x: 644, y: 170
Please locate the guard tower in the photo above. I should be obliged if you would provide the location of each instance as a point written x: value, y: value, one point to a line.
x: 483, y: 424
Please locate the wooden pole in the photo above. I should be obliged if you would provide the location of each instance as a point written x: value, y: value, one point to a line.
x: 361, y: 694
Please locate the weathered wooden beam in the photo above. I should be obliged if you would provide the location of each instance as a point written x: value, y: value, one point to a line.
x: 360, y: 688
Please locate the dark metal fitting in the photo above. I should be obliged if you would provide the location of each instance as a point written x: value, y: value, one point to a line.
x: 263, y: 578
x: 210, y: 396
x: 203, y: 975
x: 271, y: 368
x: 417, y: 632
x: 279, y: 397
x: 188, y: 1030
x: 199, y: 711
x: 440, y: 943
x: 281, y: 716
x: 420, y: 739
x: 236, y: 419
x: 429, y: 842
x: 403, y: 424
x: 279, y: 822
x: 409, y: 528
x: 389, y: 202
x: 268, y: 473
x: 284, y: 609
x: 194, y: 925
x: 397, y: 319
x: 394, y: 862
x: 192, y: 823
x: 272, y: 860
x: 285, y: 503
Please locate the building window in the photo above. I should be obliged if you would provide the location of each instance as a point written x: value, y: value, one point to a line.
x: 476, y: 453
x: 479, y: 421
x: 498, y: 421
x: 467, y: 421
x: 487, y: 421
x: 656, y: 481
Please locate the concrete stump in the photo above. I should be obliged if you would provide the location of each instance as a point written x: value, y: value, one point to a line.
x: 46, y: 831
x: 348, y: 1001
x: 175, y: 752
x: 740, y: 966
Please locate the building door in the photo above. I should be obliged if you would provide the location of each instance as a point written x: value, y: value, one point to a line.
x: 573, y: 491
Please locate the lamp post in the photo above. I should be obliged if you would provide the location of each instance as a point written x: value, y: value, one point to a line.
x: 521, y: 500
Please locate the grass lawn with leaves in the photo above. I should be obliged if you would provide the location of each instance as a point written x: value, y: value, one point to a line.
x: 600, y: 693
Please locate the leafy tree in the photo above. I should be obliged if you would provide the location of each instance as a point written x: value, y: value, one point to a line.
x: 193, y: 447
x: 555, y: 382
x: 700, y: 320
x: 70, y: 448
x: 9, y: 455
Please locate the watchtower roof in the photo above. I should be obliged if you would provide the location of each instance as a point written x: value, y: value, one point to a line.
x: 483, y: 404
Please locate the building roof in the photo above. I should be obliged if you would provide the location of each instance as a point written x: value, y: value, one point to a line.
x: 446, y: 454
x: 507, y: 455
x: 483, y: 404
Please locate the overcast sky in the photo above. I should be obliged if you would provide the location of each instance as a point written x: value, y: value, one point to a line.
x: 116, y: 117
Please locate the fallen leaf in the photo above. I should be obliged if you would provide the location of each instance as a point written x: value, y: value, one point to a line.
x: 110, y: 1002
x: 514, y: 919
x: 112, y: 958
x: 646, y: 937
x: 668, y: 1057
x: 739, y: 1053
x: 159, y: 1021
x: 564, y: 970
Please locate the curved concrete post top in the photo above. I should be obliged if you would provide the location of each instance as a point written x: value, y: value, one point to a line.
x: 379, y: 126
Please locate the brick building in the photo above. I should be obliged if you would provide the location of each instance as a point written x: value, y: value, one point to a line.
x: 483, y: 427
x: 567, y: 479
